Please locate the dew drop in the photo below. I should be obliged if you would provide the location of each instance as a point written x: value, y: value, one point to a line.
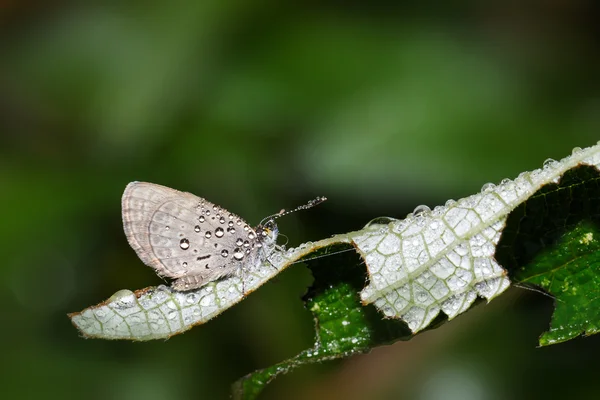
x: 238, y: 254
x: 207, y: 212
x: 222, y: 220
x: 505, y: 181
x: 239, y: 241
x: 219, y: 232
x: 238, y: 222
x: 191, y: 298
x: 167, y: 228
x: 246, y: 243
x: 450, y: 203
x: 201, y: 218
x: 231, y: 230
x: 184, y: 264
x: 230, y: 223
x: 251, y: 236
x: 421, y: 210
x: 184, y: 244
x: 208, y: 234
x: 576, y: 150
x: 197, y: 229
x: 206, y: 301
x: 550, y: 163
x: 488, y: 187
x: 246, y: 227
x: 224, y: 253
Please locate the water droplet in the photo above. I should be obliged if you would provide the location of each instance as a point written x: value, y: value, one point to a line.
x: 208, y: 234
x: 230, y: 223
x: 576, y: 150
x: 488, y: 187
x: 238, y: 222
x: 222, y: 220
x: 196, y: 229
x: 191, y: 298
x: 421, y: 296
x: 246, y: 243
x: 239, y: 241
x: 450, y: 203
x: 172, y: 315
x: 251, y: 236
x: 421, y: 210
x: 206, y: 301
x: 224, y: 253
x: 550, y: 163
x: 201, y: 218
x: 184, y: 264
x: 184, y: 244
x: 167, y: 228
x: 207, y: 212
x: 238, y: 254
x: 219, y: 232
x: 246, y: 227
x: 231, y: 230
x: 505, y: 181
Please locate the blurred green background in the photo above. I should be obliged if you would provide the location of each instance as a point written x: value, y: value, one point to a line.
x: 259, y: 106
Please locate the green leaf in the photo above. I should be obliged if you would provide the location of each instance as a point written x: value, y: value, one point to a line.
x: 343, y: 326
x: 551, y: 241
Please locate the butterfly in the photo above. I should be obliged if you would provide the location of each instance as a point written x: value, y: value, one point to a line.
x: 191, y: 240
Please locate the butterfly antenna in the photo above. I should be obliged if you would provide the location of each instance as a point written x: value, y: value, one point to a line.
x: 315, y: 202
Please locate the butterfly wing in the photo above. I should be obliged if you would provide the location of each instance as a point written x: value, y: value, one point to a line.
x: 181, y: 235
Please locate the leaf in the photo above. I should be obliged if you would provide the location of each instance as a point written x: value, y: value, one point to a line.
x: 343, y: 326
x: 551, y: 241
x: 161, y: 312
x: 535, y: 228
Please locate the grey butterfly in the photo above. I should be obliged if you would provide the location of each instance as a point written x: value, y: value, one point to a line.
x: 191, y: 240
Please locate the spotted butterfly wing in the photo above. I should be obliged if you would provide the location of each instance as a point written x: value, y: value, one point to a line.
x: 185, y: 237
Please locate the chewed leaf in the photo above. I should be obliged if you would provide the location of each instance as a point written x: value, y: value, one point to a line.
x: 541, y: 228
x: 441, y: 260
x: 432, y: 261
x: 551, y: 241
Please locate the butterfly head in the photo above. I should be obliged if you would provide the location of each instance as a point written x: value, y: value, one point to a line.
x: 267, y: 233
